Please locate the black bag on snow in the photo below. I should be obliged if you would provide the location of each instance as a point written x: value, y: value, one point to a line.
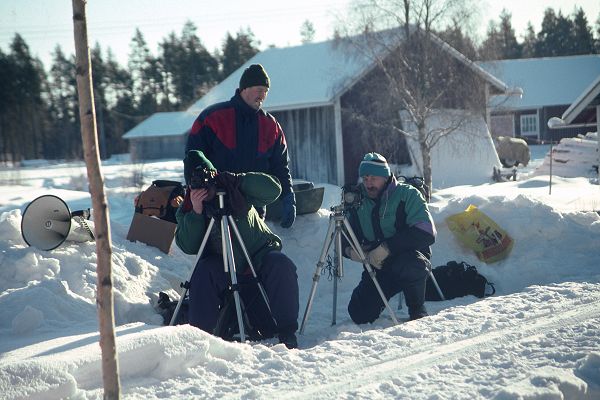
x: 458, y: 280
x: 156, y: 200
x: 417, y: 182
x: 166, y: 308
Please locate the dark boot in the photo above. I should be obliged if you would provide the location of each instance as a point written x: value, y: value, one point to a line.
x: 415, y: 300
x: 416, y: 313
x: 289, y: 340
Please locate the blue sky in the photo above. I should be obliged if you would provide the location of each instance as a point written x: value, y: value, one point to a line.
x: 46, y: 23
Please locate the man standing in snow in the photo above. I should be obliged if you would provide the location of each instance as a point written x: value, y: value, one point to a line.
x: 209, y: 284
x: 239, y: 136
x: 395, y: 229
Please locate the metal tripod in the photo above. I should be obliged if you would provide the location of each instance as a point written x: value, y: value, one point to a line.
x: 228, y: 263
x: 338, y: 226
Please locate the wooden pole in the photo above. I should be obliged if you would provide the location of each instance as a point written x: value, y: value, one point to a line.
x: 89, y: 135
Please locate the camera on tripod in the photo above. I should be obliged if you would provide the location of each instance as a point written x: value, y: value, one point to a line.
x: 351, y: 196
x: 202, y: 178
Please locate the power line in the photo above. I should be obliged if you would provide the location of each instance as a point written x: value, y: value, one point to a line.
x: 207, y: 21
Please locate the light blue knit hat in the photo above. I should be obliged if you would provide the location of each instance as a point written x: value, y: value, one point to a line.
x: 374, y: 164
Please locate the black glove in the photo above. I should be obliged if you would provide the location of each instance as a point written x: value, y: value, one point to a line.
x: 231, y: 184
x: 288, y: 210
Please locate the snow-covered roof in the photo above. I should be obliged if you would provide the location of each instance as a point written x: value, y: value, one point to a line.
x: 314, y: 74
x: 163, y: 124
x: 310, y: 75
x: 545, y: 81
x: 590, y: 94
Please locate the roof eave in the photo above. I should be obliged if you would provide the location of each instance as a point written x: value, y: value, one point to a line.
x: 298, y: 106
x: 582, y: 101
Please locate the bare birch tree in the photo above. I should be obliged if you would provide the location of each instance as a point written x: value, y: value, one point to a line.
x: 87, y: 114
x: 423, y: 76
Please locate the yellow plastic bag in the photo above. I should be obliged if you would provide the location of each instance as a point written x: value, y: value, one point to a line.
x: 480, y: 233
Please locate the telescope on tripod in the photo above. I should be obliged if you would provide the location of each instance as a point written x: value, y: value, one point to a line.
x: 226, y: 222
x: 339, y: 227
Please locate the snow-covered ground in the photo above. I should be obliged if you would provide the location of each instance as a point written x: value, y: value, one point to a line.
x: 537, y: 338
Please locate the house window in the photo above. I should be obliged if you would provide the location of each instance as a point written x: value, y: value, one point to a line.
x: 529, y: 124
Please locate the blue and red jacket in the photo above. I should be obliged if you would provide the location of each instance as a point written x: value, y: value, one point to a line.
x: 237, y: 138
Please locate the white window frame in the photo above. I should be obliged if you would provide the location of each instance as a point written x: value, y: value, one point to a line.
x: 526, y: 119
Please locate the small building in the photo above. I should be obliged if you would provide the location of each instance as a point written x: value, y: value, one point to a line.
x: 311, y: 85
x: 162, y: 135
x: 550, y: 85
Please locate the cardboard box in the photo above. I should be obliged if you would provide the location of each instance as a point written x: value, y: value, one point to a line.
x: 152, y: 231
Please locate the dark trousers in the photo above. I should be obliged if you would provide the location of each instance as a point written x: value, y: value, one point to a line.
x: 277, y: 273
x: 406, y: 272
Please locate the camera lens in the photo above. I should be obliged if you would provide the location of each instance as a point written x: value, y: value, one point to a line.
x: 349, y: 197
x: 201, y: 178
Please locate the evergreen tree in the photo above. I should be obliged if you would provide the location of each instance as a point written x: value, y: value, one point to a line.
x: 564, y: 36
x: 143, y: 67
x: 187, y: 65
x: 99, y: 88
x: 529, y: 42
x: 28, y: 109
x: 490, y: 47
x: 64, y: 107
x: 555, y: 38
x: 199, y: 71
x: 121, y: 110
x: 454, y: 36
x: 545, y: 43
x: 583, y: 40
x: 172, y: 54
x: 509, y: 47
x: 307, y: 32
x: 598, y: 34
x: 9, y: 98
x: 236, y: 51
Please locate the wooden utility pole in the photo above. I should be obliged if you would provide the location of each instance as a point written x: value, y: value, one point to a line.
x: 87, y: 116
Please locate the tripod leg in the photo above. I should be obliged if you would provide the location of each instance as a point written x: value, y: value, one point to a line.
x: 259, y: 284
x: 186, y: 284
x: 437, y: 287
x: 369, y: 268
x: 317, y: 275
x: 229, y: 265
x: 339, y: 268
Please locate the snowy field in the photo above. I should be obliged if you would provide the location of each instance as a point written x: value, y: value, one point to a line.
x: 536, y: 338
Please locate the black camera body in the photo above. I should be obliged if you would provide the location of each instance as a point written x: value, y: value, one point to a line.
x: 351, y: 196
x: 202, y: 178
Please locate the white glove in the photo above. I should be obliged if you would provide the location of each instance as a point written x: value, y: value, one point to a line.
x: 352, y: 254
x: 377, y: 256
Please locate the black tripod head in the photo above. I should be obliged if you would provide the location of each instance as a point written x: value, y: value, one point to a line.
x: 351, y: 198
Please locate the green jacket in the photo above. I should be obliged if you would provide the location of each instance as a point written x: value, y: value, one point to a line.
x: 400, y: 217
x: 259, y: 190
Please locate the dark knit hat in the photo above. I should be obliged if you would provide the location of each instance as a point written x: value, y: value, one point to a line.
x: 254, y: 75
x: 195, y: 159
x: 374, y: 164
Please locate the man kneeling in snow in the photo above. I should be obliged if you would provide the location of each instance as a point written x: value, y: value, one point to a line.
x: 395, y: 229
x: 209, y: 284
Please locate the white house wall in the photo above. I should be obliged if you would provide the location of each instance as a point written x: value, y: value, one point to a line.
x: 454, y: 157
